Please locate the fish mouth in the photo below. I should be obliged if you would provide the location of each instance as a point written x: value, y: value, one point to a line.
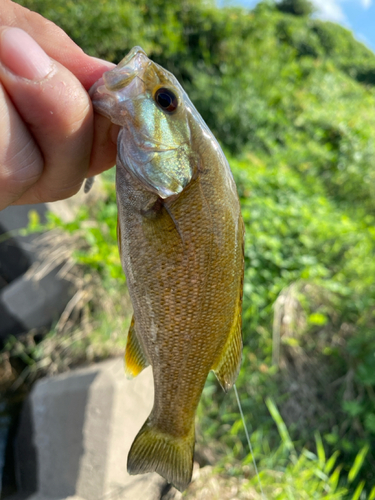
x: 128, y: 68
x: 122, y: 83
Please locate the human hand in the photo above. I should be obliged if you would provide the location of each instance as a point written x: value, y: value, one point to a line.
x: 49, y: 140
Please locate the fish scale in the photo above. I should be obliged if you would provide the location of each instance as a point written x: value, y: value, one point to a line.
x: 181, y: 237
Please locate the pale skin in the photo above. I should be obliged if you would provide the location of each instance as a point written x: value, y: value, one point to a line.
x: 50, y: 138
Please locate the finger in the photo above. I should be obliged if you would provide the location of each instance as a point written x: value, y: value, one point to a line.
x: 56, y: 109
x: 104, y: 148
x: 88, y: 70
x: 55, y: 42
x: 21, y: 162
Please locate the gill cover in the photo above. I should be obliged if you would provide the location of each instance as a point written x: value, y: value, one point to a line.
x: 154, y: 143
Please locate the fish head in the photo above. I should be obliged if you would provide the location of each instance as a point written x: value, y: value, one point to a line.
x: 154, y: 112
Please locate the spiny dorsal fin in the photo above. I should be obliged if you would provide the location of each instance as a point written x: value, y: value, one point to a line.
x: 228, y: 365
x: 135, y: 358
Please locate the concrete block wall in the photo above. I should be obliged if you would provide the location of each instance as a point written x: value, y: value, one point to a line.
x: 76, y: 431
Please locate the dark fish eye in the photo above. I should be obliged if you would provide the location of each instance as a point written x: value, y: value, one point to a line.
x: 166, y: 99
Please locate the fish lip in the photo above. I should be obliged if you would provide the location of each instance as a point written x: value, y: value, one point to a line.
x: 105, y: 97
x: 130, y: 67
x: 95, y: 87
x: 102, y: 101
x: 119, y: 77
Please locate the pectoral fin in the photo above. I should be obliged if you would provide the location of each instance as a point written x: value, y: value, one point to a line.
x: 135, y: 358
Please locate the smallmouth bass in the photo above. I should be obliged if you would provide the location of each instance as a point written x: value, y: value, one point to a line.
x: 180, y: 235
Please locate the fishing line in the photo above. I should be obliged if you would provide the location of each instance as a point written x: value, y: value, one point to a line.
x: 249, y: 442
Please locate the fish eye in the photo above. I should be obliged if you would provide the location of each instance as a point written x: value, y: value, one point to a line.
x: 166, y: 99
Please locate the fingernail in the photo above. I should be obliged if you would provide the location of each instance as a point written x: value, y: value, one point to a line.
x: 22, y: 55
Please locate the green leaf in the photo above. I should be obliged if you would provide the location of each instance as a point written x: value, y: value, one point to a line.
x: 320, y: 450
x: 317, y: 319
x: 358, y: 490
x: 372, y: 494
x: 283, y: 431
x: 370, y: 422
x: 358, y: 462
x: 353, y: 408
x: 331, y: 462
x: 334, y: 478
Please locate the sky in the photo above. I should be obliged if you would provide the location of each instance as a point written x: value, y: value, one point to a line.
x: 356, y: 15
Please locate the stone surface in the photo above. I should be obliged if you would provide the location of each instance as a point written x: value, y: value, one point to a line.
x: 75, y: 434
x: 26, y: 304
x: 16, y: 254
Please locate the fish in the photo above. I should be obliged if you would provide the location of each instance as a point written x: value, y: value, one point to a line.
x: 181, y: 242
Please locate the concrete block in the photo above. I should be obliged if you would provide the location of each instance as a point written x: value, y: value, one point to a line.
x: 26, y: 304
x: 77, y: 428
x: 32, y: 303
x: 38, y: 496
x: 16, y: 254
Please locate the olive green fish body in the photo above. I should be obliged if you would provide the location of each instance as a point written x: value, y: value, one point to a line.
x: 181, y: 244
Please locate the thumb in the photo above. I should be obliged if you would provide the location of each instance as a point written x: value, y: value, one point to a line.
x: 47, y: 123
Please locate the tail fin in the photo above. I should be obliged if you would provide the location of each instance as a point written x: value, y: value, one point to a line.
x: 169, y: 456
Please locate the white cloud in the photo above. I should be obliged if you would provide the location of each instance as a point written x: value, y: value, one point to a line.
x: 331, y: 10
x: 366, y: 3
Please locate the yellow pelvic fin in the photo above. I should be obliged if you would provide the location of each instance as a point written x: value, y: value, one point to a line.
x: 169, y: 456
x: 228, y: 365
x: 135, y: 358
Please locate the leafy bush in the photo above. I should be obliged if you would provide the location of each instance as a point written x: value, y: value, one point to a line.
x: 295, y: 7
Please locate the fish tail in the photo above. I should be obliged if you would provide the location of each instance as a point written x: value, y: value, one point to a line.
x: 169, y: 456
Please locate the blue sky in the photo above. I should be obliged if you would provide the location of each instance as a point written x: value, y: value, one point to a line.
x: 356, y: 15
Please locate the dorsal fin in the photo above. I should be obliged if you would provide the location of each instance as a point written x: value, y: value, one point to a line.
x: 119, y: 236
x: 228, y: 365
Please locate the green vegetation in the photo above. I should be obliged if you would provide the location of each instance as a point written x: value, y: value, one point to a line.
x: 292, y: 101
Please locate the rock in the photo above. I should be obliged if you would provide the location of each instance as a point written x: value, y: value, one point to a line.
x: 37, y: 496
x: 25, y: 302
x: 16, y: 254
x: 28, y: 303
x: 76, y: 431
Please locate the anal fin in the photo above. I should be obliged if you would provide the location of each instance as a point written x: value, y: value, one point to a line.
x: 135, y: 358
